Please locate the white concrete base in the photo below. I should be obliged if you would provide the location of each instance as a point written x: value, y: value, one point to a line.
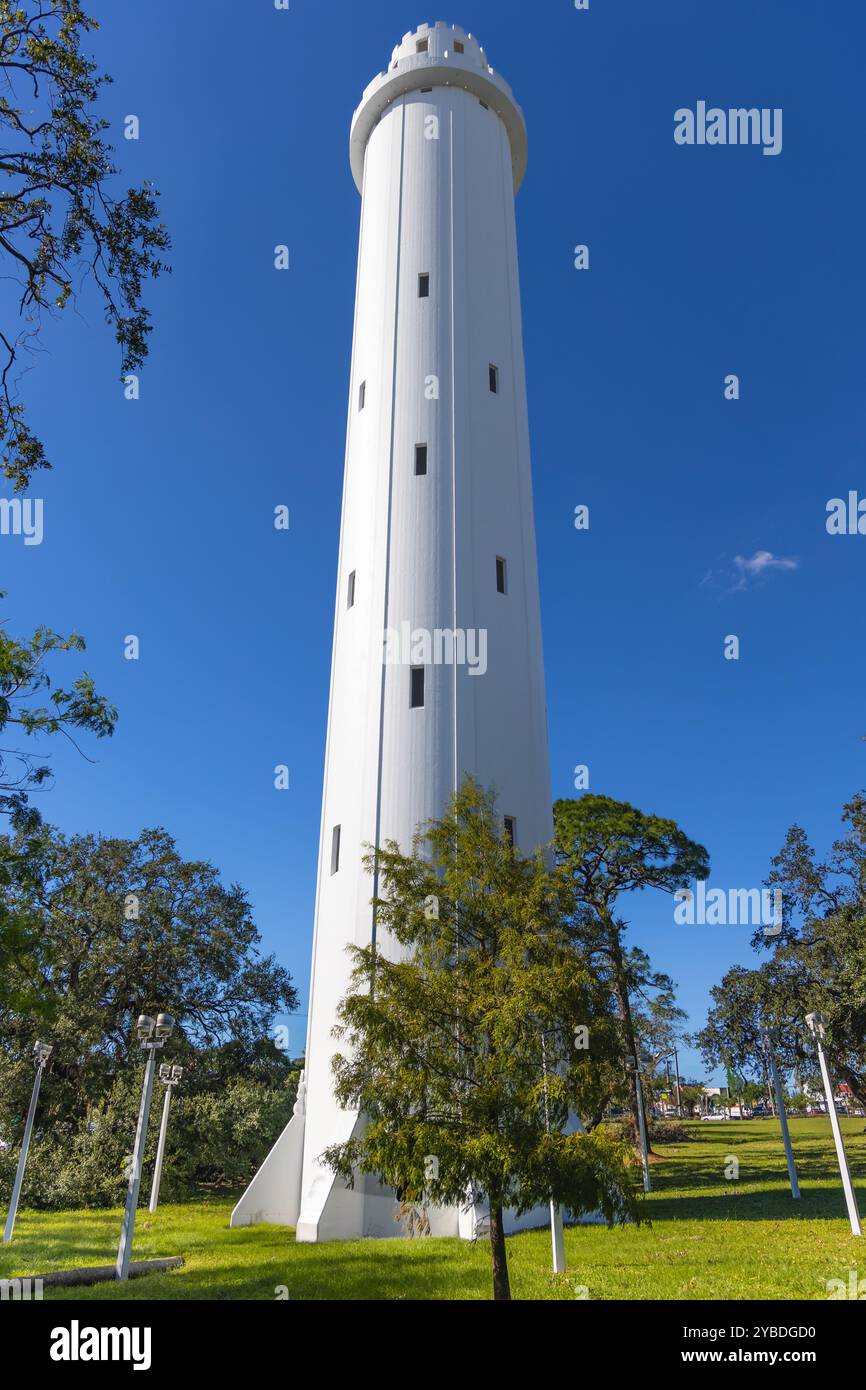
x: 274, y: 1195
x: 330, y: 1210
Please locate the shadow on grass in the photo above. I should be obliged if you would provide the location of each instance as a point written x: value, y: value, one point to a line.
x: 701, y: 1186
x: 317, y: 1274
x: 741, y: 1204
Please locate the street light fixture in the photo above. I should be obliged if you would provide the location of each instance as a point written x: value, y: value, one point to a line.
x: 632, y: 1066
x: 152, y: 1035
x: 41, y: 1052
x: 815, y: 1024
x: 169, y: 1076
x: 767, y: 1040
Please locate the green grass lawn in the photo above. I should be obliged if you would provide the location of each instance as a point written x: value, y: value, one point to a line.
x: 709, y: 1238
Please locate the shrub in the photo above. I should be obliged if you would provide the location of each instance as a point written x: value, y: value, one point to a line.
x: 213, y: 1139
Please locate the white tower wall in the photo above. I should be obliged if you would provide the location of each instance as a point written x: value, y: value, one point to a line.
x: 423, y: 549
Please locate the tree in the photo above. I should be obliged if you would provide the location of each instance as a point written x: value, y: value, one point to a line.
x: 656, y: 1017
x: 692, y: 1093
x: 27, y: 707
x: 753, y: 1094
x: 218, y: 1138
x: 608, y: 848
x: 59, y: 215
x: 818, y: 963
x: 796, y: 1103
x: 744, y: 1004
x: 20, y: 939
x: 30, y: 707
x: 128, y: 927
x: 462, y: 1034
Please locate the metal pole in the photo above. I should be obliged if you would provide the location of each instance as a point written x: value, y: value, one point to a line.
x: 124, y: 1252
x: 677, y: 1084
x: 22, y: 1157
x: 647, y: 1187
x: 783, y: 1121
x: 557, y: 1238
x: 557, y: 1234
x: 160, y: 1150
x: 850, y: 1198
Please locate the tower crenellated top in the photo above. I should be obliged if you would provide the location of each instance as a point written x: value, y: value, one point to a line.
x: 440, y: 40
x: 438, y: 55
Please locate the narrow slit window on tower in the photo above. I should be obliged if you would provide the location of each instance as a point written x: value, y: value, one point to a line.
x: 494, y: 379
x: 421, y: 46
x: 350, y: 597
x: 420, y: 460
x: 510, y: 830
x: 416, y: 687
x: 459, y: 47
x: 362, y: 395
x: 500, y: 575
x: 425, y: 90
x: 335, y: 849
x: 424, y: 285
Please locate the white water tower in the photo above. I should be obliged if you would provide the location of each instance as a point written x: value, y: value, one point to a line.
x: 437, y: 565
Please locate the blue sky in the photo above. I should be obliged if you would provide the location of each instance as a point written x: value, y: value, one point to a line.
x: 703, y: 262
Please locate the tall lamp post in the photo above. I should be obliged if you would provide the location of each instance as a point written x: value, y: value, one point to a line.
x: 815, y: 1024
x: 632, y: 1065
x: 152, y: 1036
x: 41, y: 1053
x: 666, y: 1058
x: 169, y: 1076
x: 557, y: 1233
x: 767, y: 1040
x: 677, y: 1084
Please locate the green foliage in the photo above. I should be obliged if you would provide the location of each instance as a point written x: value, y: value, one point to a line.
x: 29, y: 705
x: 612, y: 848
x: 216, y: 1139
x: 658, y: 1131
x: 692, y: 1095
x: 223, y: 1137
x: 460, y: 1029
x: 796, y: 1104
x: 119, y: 928
x: 58, y: 214
x: 818, y: 964
x: 604, y: 849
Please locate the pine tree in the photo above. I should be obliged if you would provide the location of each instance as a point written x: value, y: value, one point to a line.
x: 473, y: 1030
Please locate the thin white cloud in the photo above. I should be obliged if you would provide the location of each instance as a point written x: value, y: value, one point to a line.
x: 761, y: 561
x: 749, y: 569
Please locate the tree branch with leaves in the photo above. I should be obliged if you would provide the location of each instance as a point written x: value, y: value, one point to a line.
x: 60, y: 215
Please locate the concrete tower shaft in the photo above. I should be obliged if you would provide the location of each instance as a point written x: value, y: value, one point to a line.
x: 437, y: 537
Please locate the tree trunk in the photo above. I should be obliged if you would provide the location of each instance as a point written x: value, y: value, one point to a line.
x: 621, y: 992
x: 501, y: 1285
